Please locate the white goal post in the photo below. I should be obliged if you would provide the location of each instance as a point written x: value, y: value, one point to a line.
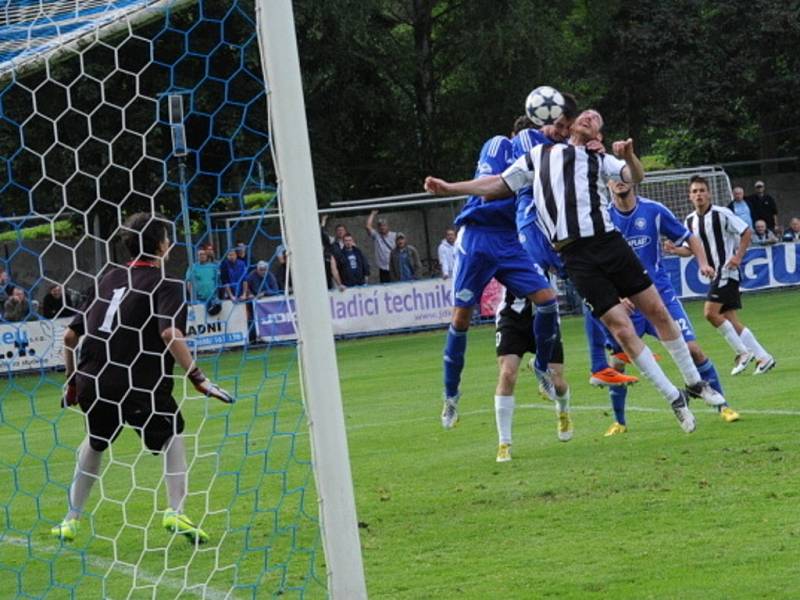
x: 320, y: 375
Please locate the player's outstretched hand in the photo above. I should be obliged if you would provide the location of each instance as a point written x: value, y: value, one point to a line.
x: 434, y: 185
x: 623, y: 148
x: 205, y: 386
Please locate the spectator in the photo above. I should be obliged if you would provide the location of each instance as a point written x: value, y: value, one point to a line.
x: 337, y: 239
x: 56, y: 304
x: 5, y: 288
x: 209, y: 248
x: 763, y: 236
x: 793, y: 233
x: 279, y: 267
x: 202, y: 278
x: 16, y: 307
x: 261, y: 282
x: 404, y: 263
x: 352, y: 265
x: 233, y: 271
x: 762, y: 206
x: 384, y: 241
x: 741, y: 207
x: 447, y: 253
x: 241, y: 253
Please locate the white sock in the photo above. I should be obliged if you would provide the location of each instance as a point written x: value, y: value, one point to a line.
x: 563, y: 401
x: 752, y: 344
x: 86, y: 470
x: 679, y: 352
x: 649, y: 367
x: 175, y: 472
x: 734, y: 341
x: 504, y: 413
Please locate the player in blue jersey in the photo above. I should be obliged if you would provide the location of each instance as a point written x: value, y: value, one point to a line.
x: 642, y: 222
x: 487, y: 247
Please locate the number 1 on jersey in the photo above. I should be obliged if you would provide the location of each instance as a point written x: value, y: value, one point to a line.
x: 113, y: 308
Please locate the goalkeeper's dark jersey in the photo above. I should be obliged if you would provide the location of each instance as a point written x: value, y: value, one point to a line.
x: 121, y: 325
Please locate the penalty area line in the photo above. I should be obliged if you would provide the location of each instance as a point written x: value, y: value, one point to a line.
x: 201, y: 590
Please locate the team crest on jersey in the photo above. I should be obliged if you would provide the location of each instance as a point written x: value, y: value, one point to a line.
x: 484, y: 168
x: 640, y: 223
x: 465, y: 295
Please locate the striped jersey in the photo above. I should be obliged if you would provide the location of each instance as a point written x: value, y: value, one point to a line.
x: 570, y: 192
x: 522, y: 143
x: 720, y: 231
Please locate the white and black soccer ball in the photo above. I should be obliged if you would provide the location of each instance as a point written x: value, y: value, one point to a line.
x: 544, y: 105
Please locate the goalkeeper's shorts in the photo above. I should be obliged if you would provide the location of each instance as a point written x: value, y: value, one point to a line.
x: 154, y: 417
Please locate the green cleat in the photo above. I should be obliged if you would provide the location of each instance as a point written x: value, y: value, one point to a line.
x: 66, y: 530
x: 176, y: 522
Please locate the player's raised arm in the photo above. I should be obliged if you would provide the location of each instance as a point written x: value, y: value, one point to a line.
x: 490, y: 187
x: 633, y: 171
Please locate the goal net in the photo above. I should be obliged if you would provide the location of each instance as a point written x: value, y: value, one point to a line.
x: 114, y: 107
x: 671, y: 187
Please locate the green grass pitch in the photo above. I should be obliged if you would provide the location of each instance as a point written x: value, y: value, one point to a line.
x: 654, y: 513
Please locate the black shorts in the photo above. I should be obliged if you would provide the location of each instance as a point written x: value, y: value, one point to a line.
x: 604, y: 269
x: 154, y: 417
x: 724, y: 290
x: 514, y: 335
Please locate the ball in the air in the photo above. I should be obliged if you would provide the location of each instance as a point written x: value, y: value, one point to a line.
x: 544, y: 105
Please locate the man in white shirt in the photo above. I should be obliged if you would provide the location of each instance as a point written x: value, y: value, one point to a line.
x: 447, y: 253
x: 384, y: 241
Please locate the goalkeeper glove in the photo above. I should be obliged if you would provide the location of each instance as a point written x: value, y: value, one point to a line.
x: 205, y: 386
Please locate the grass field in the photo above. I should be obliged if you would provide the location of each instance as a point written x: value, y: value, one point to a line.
x: 655, y: 513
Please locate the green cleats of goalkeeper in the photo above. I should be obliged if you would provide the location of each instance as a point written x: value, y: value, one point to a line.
x: 66, y: 530
x: 179, y: 523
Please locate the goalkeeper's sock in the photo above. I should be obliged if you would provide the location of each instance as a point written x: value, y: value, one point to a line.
x: 504, y: 414
x: 175, y: 472
x: 545, y: 330
x: 454, y: 349
x: 86, y: 470
x: 597, y: 341
x: 618, y: 394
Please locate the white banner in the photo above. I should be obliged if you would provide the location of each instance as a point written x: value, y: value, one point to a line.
x: 34, y: 345
x: 407, y: 305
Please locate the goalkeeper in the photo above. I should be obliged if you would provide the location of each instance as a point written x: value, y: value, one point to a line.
x: 132, y: 328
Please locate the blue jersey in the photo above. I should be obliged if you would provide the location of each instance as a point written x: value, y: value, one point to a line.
x: 643, y: 228
x: 495, y: 157
x: 523, y: 143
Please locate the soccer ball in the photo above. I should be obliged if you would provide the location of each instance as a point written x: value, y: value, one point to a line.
x: 544, y: 105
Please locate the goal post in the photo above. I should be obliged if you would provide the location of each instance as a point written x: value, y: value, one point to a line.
x: 320, y: 374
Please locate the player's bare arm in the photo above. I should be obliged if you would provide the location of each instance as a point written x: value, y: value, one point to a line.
x: 491, y: 187
x: 670, y: 248
x: 744, y: 244
x: 696, y: 248
x: 633, y: 171
x: 176, y: 344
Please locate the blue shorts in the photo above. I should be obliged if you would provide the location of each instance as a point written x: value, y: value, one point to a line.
x: 482, y: 254
x: 540, y: 250
x: 676, y: 311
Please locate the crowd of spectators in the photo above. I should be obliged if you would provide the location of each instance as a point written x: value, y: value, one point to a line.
x: 760, y: 211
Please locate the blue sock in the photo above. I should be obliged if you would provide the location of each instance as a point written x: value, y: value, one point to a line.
x: 709, y: 374
x: 545, y: 329
x: 596, y: 338
x: 618, y: 395
x: 454, y: 349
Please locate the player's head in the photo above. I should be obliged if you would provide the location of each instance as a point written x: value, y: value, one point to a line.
x: 620, y: 189
x: 348, y: 240
x: 147, y: 235
x: 563, y: 123
x: 699, y: 193
x: 450, y: 235
x: 738, y: 193
x: 521, y: 123
x: 587, y: 126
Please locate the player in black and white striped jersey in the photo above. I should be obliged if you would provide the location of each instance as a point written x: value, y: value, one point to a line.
x: 725, y: 239
x: 570, y: 201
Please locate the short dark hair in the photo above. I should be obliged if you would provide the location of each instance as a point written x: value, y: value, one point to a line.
x: 570, y: 105
x: 143, y: 232
x: 699, y: 179
x: 521, y: 123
